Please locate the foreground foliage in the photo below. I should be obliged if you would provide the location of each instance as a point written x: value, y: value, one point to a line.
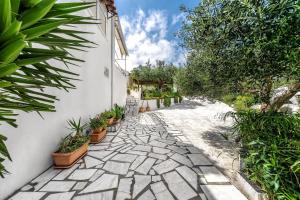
x: 241, y: 46
x: 271, y: 156
x: 33, y: 33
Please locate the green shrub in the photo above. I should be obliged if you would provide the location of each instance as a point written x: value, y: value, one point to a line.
x: 229, y: 99
x: 70, y: 143
x: 176, y: 99
x: 108, y: 114
x: 180, y: 98
x: 243, y: 102
x: 167, y: 101
x: 118, y: 111
x: 271, y: 153
x: 97, y: 122
x: 158, y: 103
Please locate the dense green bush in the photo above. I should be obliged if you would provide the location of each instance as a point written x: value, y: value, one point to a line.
x: 271, y: 155
x: 167, y: 101
x: 180, y: 98
x: 243, y: 102
x: 229, y: 99
x: 176, y: 99
x: 158, y: 103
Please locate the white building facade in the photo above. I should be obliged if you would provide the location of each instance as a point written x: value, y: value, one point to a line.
x: 103, y: 83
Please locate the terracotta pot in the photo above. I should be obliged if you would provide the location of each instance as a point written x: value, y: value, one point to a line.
x: 142, y: 109
x: 148, y: 108
x: 110, y: 121
x: 116, y: 121
x: 96, y: 136
x: 66, y: 160
x: 98, y: 130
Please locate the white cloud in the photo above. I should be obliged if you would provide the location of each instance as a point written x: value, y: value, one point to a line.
x: 178, y: 18
x: 146, y: 39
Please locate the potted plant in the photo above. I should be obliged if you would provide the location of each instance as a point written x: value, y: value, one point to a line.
x: 119, y: 111
x: 109, y: 116
x: 142, y: 108
x: 73, y: 147
x: 148, y: 107
x: 98, y: 125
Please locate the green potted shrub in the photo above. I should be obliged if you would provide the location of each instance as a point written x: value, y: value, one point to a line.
x: 73, y: 147
x: 98, y: 125
x: 158, y: 102
x: 109, y: 116
x: 167, y: 101
x: 119, y: 111
x: 176, y: 99
x: 180, y: 98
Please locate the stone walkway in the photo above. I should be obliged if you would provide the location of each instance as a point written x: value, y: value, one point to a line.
x: 144, y: 160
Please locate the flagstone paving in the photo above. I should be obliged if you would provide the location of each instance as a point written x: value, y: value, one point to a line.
x: 145, y: 159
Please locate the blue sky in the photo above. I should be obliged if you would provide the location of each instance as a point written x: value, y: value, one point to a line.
x: 149, y: 27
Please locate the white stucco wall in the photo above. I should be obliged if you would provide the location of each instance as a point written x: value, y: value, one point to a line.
x: 32, y: 143
x: 119, y: 87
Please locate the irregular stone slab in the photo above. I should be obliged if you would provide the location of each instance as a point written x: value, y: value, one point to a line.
x: 116, y: 167
x: 27, y: 188
x: 144, y: 138
x: 165, y: 166
x: 105, y: 182
x: 182, y: 159
x: 99, y: 154
x: 124, y: 189
x: 180, y: 150
x: 142, y: 148
x: 108, y: 138
x: 161, y: 150
x: 96, y: 196
x: 169, y: 142
x: 158, y: 156
x: 124, y: 157
x: 213, y: 175
x: 91, y: 162
x: 65, y: 173
x: 156, y: 178
x: 189, y: 175
x: 140, y: 153
x: 199, y: 159
x: 97, y: 148
x: 178, y: 186
x: 61, y: 196
x: 80, y: 185
x: 160, y: 191
x: 141, y: 182
x: 82, y: 174
x: 194, y: 150
x: 137, y: 162
x: 203, y: 197
x: 146, y: 166
x: 98, y: 173
x: 58, y: 186
x: 41, y: 180
x: 222, y: 192
x: 147, y: 196
x: 28, y: 195
x: 110, y: 156
x: 157, y: 144
x: 130, y: 174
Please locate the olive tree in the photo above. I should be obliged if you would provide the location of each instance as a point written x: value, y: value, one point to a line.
x: 239, y: 44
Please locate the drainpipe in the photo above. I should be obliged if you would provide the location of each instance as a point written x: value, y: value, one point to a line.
x: 112, y: 59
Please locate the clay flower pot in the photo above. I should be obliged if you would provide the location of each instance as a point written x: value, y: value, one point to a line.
x: 148, y: 108
x: 97, y: 136
x: 67, y: 160
x: 110, y: 121
x: 116, y: 121
x: 142, y: 109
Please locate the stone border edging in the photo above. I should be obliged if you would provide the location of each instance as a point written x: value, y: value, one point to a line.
x: 252, y: 192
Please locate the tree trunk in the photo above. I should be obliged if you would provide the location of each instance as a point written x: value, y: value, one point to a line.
x: 280, y: 100
x: 266, y: 94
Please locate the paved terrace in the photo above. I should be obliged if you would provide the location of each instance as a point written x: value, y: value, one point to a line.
x: 144, y: 160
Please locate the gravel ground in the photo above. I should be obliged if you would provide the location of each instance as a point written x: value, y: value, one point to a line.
x: 201, y: 122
